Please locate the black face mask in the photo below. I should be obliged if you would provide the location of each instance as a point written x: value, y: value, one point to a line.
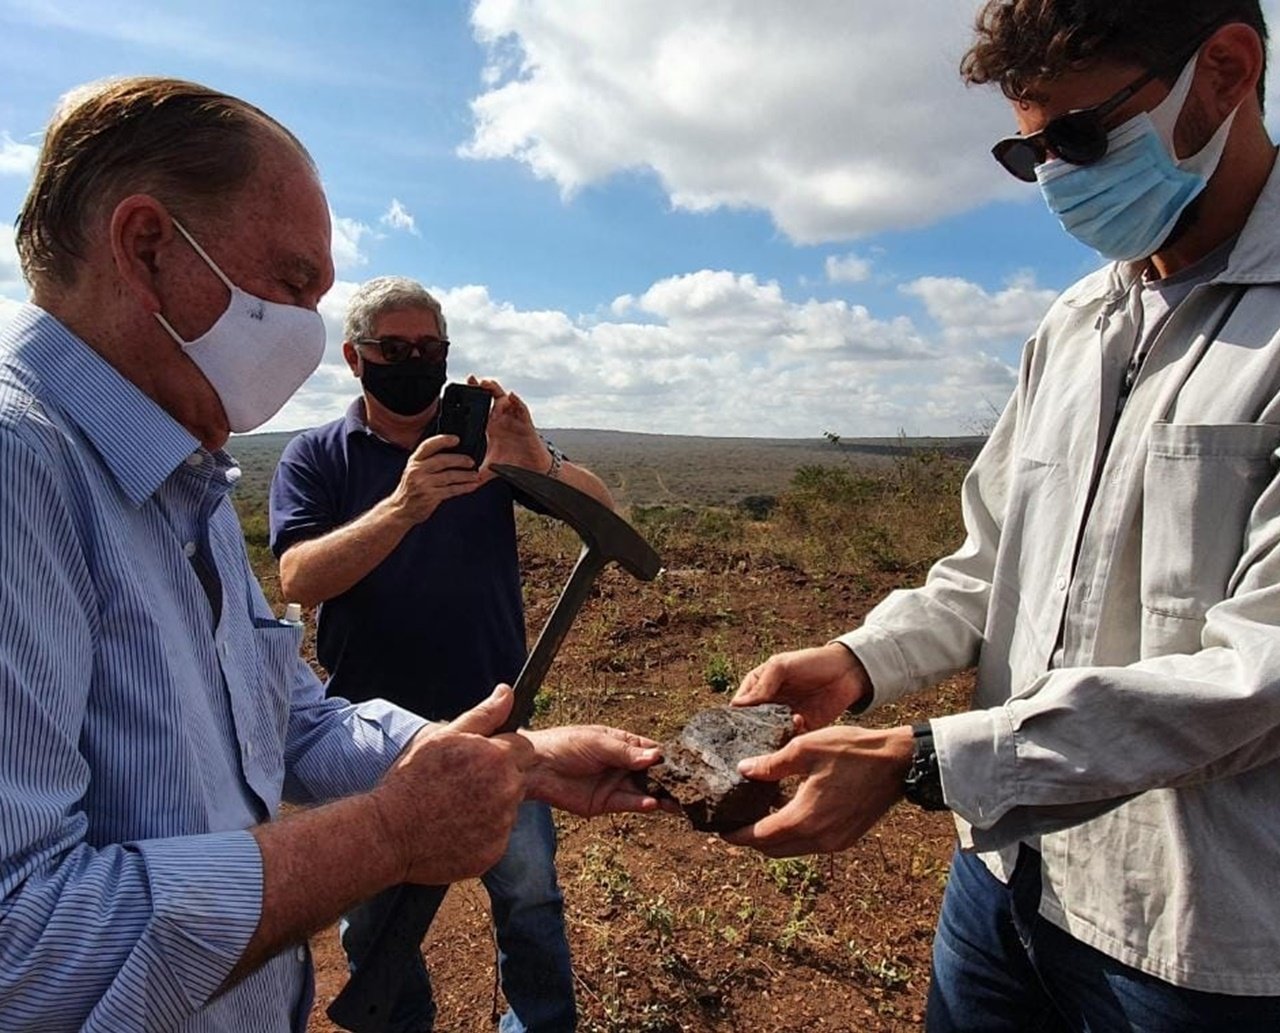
x: 406, y: 388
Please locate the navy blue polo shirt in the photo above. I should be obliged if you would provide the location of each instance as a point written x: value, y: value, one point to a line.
x: 439, y: 622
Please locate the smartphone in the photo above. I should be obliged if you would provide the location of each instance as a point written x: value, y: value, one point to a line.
x: 464, y: 412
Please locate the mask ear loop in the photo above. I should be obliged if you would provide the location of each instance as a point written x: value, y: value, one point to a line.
x: 207, y: 261
x: 1164, y: 116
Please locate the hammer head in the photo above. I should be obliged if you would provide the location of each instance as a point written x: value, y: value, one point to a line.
x: 603, y: 532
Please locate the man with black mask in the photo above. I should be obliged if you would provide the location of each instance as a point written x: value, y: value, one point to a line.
x: 412, y: 552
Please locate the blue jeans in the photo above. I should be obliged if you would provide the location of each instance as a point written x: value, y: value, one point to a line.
x: 998, y: 967
x: 528, y: 919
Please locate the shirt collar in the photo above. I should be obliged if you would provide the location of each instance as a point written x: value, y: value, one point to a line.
x: 355, y: 421
x: 140, y: 443
x: 1256, y: 256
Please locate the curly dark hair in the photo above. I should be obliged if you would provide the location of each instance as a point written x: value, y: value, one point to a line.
x: 1024, y: 42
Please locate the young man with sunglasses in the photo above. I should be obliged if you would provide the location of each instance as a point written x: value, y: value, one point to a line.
x: 412, y: 553
x: 1116, y: 785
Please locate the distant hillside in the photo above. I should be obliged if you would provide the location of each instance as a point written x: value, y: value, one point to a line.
x: 666, y: 468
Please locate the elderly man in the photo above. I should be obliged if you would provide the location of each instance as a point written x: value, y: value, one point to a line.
x: 1116, y: 785
x: 412, y: 552
x: 176, y: 241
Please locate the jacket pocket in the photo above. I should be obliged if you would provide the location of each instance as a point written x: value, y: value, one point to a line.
x: 1199, y: 486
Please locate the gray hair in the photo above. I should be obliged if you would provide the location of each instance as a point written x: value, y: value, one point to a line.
x: 385, y: 294
x: 177, y: 140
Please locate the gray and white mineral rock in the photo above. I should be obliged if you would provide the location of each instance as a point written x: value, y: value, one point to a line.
x: 699, y: 767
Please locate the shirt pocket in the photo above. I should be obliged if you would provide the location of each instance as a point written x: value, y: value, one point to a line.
x: 1200, y: 484
x: 278, y: 646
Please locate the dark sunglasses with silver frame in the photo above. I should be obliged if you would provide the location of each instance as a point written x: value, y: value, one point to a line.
x: 397, y: 349
x: 1081, y: 136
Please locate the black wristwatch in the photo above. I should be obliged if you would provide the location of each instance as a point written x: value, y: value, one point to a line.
x: 923, y: 783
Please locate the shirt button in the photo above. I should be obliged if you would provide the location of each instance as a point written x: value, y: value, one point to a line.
x: 1061, y: 584
x: 232, y: 474
x: 188, y: 549
x: 195, y: 459
x: 222, y: 647
x: 302, y: 953
x: 248, y: 749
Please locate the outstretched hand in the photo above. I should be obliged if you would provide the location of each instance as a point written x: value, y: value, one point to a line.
x: 818, y: 684
x: 851, y: 777
x: 589, y: 769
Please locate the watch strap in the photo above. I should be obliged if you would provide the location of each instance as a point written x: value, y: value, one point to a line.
x: 923, y: 782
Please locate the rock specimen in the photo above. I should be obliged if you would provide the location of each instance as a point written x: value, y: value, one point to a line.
x: 699, y: 768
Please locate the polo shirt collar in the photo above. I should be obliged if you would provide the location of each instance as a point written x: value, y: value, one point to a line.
x: 139, y: 442
x: 355, y: 421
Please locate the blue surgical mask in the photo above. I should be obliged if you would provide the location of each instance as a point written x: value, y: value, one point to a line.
x: 1126, y: 205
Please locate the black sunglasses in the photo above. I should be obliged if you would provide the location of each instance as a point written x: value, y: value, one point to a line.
x: 1078, y: 137
x: 398, y: 349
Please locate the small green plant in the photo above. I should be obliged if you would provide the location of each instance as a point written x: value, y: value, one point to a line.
x: 795, y: 876
x: 885, y: 970
x: 797, y: 928
x: 657, y: 916
x: 542, y: 703
x: 600, y: 865
x: 718, y: 673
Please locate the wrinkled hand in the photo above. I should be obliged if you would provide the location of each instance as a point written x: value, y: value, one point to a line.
x: 449, y: 801
x: 588, y: 769
x: 512, y: 437
x: 851, y: 777
x: 431, y: 476
x: 818, y: 684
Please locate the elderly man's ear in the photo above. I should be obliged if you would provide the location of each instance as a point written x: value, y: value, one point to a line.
x: 140, y: 233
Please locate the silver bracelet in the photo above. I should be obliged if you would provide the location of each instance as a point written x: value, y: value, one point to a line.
x: 557, y: 461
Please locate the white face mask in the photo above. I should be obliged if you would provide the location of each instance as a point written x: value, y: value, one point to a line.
x: 257, y: 354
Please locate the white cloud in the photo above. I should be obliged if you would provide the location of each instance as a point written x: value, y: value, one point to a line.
x: 716, y: 352
x: 398, y: 217
x: 969, y: 315
x: 206, y: 36
x: 11, y: 283
x: 12, y: 288
x: 848, y: 268
x: 837, y: 120
x: 17, y: 159
x: 347, y: 236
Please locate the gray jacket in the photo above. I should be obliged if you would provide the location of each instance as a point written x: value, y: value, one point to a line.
x: 1127, y: 709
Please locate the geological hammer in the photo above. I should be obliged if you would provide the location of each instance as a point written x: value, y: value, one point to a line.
x: 364, y: 1005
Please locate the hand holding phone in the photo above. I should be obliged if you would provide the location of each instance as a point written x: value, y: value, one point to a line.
x: 464, y: 412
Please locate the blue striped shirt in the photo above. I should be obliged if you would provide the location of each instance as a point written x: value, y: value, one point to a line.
x: 149, y: 717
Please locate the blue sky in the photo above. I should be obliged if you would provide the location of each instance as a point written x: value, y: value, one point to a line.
x: 728, y: 218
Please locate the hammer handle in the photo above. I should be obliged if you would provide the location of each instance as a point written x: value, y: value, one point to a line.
x: 576, y: 592
x: 364, y: 1005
